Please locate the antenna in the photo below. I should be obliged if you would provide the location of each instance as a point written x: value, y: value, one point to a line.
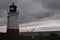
x: 32, y: 30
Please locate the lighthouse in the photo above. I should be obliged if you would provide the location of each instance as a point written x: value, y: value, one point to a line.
x: 12, y: 20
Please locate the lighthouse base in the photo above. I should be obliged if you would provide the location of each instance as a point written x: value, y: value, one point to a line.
x: 13, y: 31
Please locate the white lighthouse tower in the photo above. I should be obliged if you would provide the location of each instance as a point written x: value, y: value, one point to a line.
x: 12, y: 25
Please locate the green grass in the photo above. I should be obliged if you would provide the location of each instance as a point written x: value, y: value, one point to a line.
x: 14, y: 37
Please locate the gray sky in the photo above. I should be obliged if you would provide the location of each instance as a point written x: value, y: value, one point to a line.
x: 31, y: 10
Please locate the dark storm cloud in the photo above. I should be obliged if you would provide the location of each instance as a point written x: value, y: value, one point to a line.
x: 5, y: 3
x: 33, y: 10
x: 29, y: 10
x: 52, y: 4
x: 3, y: 17
x: 3, y: 13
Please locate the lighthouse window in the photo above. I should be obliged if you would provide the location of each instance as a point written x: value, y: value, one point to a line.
x: 12, y: 8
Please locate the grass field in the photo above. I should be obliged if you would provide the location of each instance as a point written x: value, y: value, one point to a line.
x: 13, y: 37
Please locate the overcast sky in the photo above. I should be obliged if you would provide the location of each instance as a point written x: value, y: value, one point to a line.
x: 31, y: 10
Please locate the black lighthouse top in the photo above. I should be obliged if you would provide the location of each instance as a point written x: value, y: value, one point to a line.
x: 13, y: 8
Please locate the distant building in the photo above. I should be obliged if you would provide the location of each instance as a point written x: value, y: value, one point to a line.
x: 12, y: 25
